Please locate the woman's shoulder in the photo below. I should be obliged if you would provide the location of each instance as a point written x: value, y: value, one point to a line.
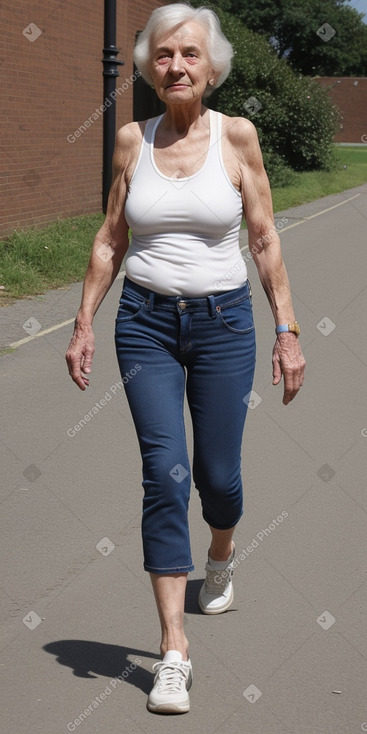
x: 129, y: 133
x: 243, y: 140
x: 133, y: 131
x: 128, y: 144
x: 238, y: 130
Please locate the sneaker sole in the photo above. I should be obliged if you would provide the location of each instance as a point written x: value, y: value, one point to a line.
x: 219, y: 610
x: 169, y: 708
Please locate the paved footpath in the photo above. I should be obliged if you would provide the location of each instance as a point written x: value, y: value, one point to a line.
x: 79, y: 628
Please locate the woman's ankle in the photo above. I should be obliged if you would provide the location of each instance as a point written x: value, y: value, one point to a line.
x: 217, y: 554
x: 181, y: 646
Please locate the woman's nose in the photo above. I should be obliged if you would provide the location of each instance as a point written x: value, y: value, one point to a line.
x: 176, y: 65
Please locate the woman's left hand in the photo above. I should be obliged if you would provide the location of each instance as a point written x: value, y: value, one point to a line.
x: 288, y: 361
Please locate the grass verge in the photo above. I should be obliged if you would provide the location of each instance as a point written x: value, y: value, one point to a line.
x: 351, y: 171
x: 34, y: 261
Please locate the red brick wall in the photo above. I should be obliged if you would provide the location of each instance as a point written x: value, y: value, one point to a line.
x: 350, y: 96
x: 49, y: 86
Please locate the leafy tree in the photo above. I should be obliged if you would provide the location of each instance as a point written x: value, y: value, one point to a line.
x: 294, y: 117
x: 292, y: 28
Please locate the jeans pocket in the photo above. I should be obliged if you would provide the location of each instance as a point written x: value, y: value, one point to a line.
x: 129, y: 308
x: 238, y: 317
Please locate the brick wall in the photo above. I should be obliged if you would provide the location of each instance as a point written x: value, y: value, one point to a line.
x: 350, y: 96
x: 51, y: 83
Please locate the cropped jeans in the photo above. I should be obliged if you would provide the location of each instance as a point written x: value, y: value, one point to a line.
x: 164, y: 345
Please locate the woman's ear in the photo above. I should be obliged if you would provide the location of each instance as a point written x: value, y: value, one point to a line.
x: 213, y: 77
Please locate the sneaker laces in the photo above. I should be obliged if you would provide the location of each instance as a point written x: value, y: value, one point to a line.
x: 170, y: 676
x: 217, y: 581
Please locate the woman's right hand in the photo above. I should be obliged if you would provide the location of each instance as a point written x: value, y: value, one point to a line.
x: 113, y: 239
x: 80, y: 354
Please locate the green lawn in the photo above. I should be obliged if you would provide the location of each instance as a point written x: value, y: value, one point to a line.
x: 34, y: 261
x: 351, y: 171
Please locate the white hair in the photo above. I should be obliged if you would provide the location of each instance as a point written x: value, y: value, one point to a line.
x: 166, y: 19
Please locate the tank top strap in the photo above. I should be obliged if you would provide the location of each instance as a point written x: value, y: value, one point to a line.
x: 213, y: 126
x: 218, y: 125
x: 214, y: 152
x: 146, y: 148
x: 150, y: 128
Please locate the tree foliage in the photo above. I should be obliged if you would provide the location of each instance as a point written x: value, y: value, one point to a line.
x: 292, y: 26
x: 294, y: 117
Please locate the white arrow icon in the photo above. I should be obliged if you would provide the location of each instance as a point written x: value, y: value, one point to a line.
x: 178, y: 473
x: 326, y: 620
x: 32, y: 326
x: 325, y: 326
x: 32, y: 32
x: 32, y: 620
x: 105, y: 546
x: 252, y: 693
x: 326, y: 32
x: 252, y: 399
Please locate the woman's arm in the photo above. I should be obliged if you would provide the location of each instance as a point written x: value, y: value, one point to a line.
x: 109, y: 248
x: 264, y: 245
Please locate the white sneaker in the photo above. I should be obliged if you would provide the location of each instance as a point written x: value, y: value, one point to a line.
x: 172, y: 681
x: 216, y: 593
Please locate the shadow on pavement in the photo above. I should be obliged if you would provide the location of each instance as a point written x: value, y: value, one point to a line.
x: 192, y: 593
x: 89, y: 659
x: 86, y: 658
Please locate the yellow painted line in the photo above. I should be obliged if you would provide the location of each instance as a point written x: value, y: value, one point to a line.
x: 312, y: 216
x: 41, y: 333
x: 52, y: 328
x: 318, y: 214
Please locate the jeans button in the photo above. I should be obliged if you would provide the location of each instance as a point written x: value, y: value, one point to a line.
x: 182, y: 304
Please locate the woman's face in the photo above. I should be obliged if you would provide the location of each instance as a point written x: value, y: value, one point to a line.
x: 180, y: 66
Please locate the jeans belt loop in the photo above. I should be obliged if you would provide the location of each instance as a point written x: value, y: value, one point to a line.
x: 211, y: 304
x: 149, y: 303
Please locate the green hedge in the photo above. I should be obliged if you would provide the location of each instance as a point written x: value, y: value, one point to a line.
x: 296, y: 121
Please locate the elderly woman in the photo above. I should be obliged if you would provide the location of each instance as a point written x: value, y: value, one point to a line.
x: 182, y: 182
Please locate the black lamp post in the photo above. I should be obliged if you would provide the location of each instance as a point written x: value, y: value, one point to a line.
x: 110, y: 72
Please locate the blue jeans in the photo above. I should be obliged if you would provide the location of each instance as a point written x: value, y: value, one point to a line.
x: 164, y: 344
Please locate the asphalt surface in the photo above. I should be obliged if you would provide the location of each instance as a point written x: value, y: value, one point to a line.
x: 79, y: 626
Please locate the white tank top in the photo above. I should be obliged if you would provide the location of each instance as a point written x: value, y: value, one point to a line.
x: 185, y: 231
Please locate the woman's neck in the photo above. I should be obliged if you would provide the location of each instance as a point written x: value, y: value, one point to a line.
x: 180, y: 118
